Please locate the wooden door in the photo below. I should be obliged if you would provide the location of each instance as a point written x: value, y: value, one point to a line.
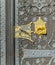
x: 42, y: 50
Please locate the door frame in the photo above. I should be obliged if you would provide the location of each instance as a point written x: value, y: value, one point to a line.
x: 10, y: 43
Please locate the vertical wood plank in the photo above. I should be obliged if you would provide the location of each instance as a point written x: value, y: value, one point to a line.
x: 9, y: 33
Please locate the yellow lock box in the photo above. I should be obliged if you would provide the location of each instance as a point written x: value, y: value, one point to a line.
x: 40, y: 27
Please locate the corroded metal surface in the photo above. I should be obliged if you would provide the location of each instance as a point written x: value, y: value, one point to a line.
x: 42, y: 52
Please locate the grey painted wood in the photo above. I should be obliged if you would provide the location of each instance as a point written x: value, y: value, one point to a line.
x: 2, y: 32
x: 27, y: 11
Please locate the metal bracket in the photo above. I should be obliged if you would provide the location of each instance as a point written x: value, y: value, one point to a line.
x: 24, y: 31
